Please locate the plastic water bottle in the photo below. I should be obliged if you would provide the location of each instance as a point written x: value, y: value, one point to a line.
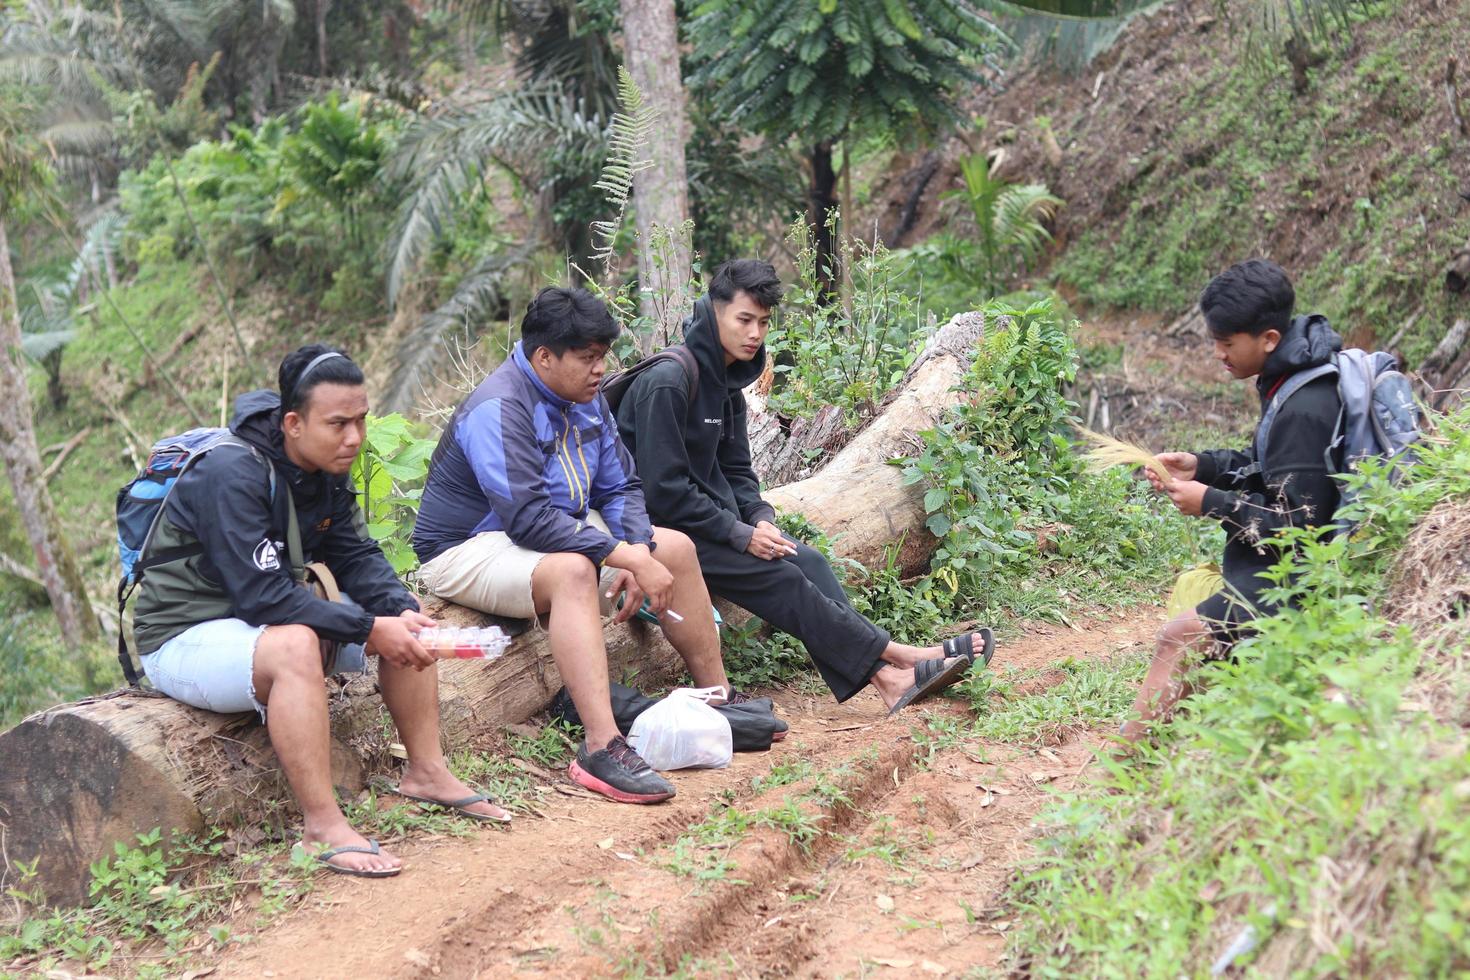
x: 465, y: 642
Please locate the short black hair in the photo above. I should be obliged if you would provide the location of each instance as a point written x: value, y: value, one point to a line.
x: 753, y: 277
x: 296, y: 390
x: 1249, y: 297
x: 562, y: 319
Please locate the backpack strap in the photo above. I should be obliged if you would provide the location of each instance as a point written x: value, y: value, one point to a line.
x: 685, y: 357
x: 1284, y: 390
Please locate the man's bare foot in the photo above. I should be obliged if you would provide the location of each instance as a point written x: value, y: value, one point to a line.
x: 892, y: 683
x: 341, y: 834
x: 434, y: 781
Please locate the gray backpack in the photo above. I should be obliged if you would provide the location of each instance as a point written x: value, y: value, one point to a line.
x: 1379, y: 414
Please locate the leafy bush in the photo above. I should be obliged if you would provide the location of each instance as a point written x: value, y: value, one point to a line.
x: 305, y: 202
x: 828, y: 353
x: 1021, y: 525
x: 389, y: 474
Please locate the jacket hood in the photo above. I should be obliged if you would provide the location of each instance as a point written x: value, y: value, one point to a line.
x: 702, y: 336
x: 257, y: 420
x: 1307, y: 342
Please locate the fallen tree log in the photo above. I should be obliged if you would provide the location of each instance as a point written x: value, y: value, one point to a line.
x: 860, y: 500
x: 78, y: 778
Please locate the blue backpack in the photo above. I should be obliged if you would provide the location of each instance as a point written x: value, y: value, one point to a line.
x: 140, y: 505
x: 1380, y: 417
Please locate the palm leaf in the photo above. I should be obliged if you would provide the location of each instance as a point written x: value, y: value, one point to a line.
x: 423, y: 350
x: 444, y: 159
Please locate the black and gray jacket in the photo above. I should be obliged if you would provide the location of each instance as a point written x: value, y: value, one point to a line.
x: 1293, y: 487
x: 694, y: 456
x: 224, y: 503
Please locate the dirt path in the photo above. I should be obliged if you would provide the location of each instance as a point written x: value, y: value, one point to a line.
x: 852, y: 847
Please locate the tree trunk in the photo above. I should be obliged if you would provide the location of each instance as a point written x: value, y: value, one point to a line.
x: 22, y: 460
x: 80, y: 777
x: 821, y: 199
x: 660, y: 192
x: 322, y: 6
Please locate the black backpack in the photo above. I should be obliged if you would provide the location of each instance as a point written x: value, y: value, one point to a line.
x: 616, y: 385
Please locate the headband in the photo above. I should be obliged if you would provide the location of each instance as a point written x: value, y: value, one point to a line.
x: 300, y: 378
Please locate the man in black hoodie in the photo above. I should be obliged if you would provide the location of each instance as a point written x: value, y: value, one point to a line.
x: 1248, y: 309
x: 222, y: 624
x: 693, y: 456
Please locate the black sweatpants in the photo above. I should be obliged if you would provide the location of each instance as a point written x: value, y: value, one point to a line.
x: 800, y: 595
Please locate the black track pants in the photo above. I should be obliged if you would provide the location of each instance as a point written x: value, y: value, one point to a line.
x: 800, y: 595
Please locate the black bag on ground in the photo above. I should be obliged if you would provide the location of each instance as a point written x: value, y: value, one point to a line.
x: 752, y: 724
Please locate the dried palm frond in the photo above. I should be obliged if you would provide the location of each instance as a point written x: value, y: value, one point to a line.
x: 1107, y: 451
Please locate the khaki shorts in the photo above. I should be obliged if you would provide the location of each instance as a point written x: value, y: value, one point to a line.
x: 491, y: 573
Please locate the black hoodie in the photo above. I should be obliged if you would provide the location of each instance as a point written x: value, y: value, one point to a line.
x: 1294, y: 487
x: 694, y: 456
x: 224, y: 504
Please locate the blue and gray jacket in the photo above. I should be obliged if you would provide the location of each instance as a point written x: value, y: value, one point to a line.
x: 516, y: 457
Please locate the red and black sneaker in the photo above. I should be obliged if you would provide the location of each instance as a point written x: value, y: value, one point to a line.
x: 740, y: 697
x: 619, y: 773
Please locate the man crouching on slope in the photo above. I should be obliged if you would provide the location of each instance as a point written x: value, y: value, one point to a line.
x: 532, y: 510
x: 225, y: 626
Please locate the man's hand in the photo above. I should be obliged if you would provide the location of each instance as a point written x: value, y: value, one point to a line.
x: 650, y: 579
x: 627, y: 584
x: 1181, y: 466
x: 1188, y: 496
x: 768, y: 543
x: 393, y: 639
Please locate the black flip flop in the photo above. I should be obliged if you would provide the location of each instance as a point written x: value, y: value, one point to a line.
x: 325, y: 857
x: 931, y: 677
x: 458, y: 806
x: 964, y: 646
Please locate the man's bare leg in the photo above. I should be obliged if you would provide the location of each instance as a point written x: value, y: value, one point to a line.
x: 289, y: 682
x: 564, y: 590
x: 1180, y: 640
x: 412, y: 698
x: 696, y: 638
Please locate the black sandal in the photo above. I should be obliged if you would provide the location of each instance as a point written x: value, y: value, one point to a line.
x: 964, y: 646
x: 931, y: 677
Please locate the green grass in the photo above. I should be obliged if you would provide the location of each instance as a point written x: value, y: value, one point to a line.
x: 1091, y: 692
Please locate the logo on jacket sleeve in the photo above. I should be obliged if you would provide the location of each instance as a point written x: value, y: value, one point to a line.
x: 267, y: 559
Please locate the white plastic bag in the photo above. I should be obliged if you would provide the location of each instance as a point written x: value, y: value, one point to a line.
x: 683, y: 732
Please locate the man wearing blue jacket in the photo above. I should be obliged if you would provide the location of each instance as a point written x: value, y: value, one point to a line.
x: 221, y: 623
x: 532, y: 510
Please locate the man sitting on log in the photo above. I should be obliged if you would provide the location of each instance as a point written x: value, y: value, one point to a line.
x: 693, y: 454
x: 532, y: 510
x: 224, y: 625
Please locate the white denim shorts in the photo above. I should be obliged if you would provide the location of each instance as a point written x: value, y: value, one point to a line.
x: 212, y: 666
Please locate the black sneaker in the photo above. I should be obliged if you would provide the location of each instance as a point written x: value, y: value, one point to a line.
x: 619, y: 773
x: 740, y: 697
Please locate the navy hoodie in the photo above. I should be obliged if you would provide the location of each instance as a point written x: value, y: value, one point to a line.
x: 694, y: 455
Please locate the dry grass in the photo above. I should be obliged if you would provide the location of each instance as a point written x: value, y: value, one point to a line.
x: 1107, y: 452
x: 1429, y: 591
